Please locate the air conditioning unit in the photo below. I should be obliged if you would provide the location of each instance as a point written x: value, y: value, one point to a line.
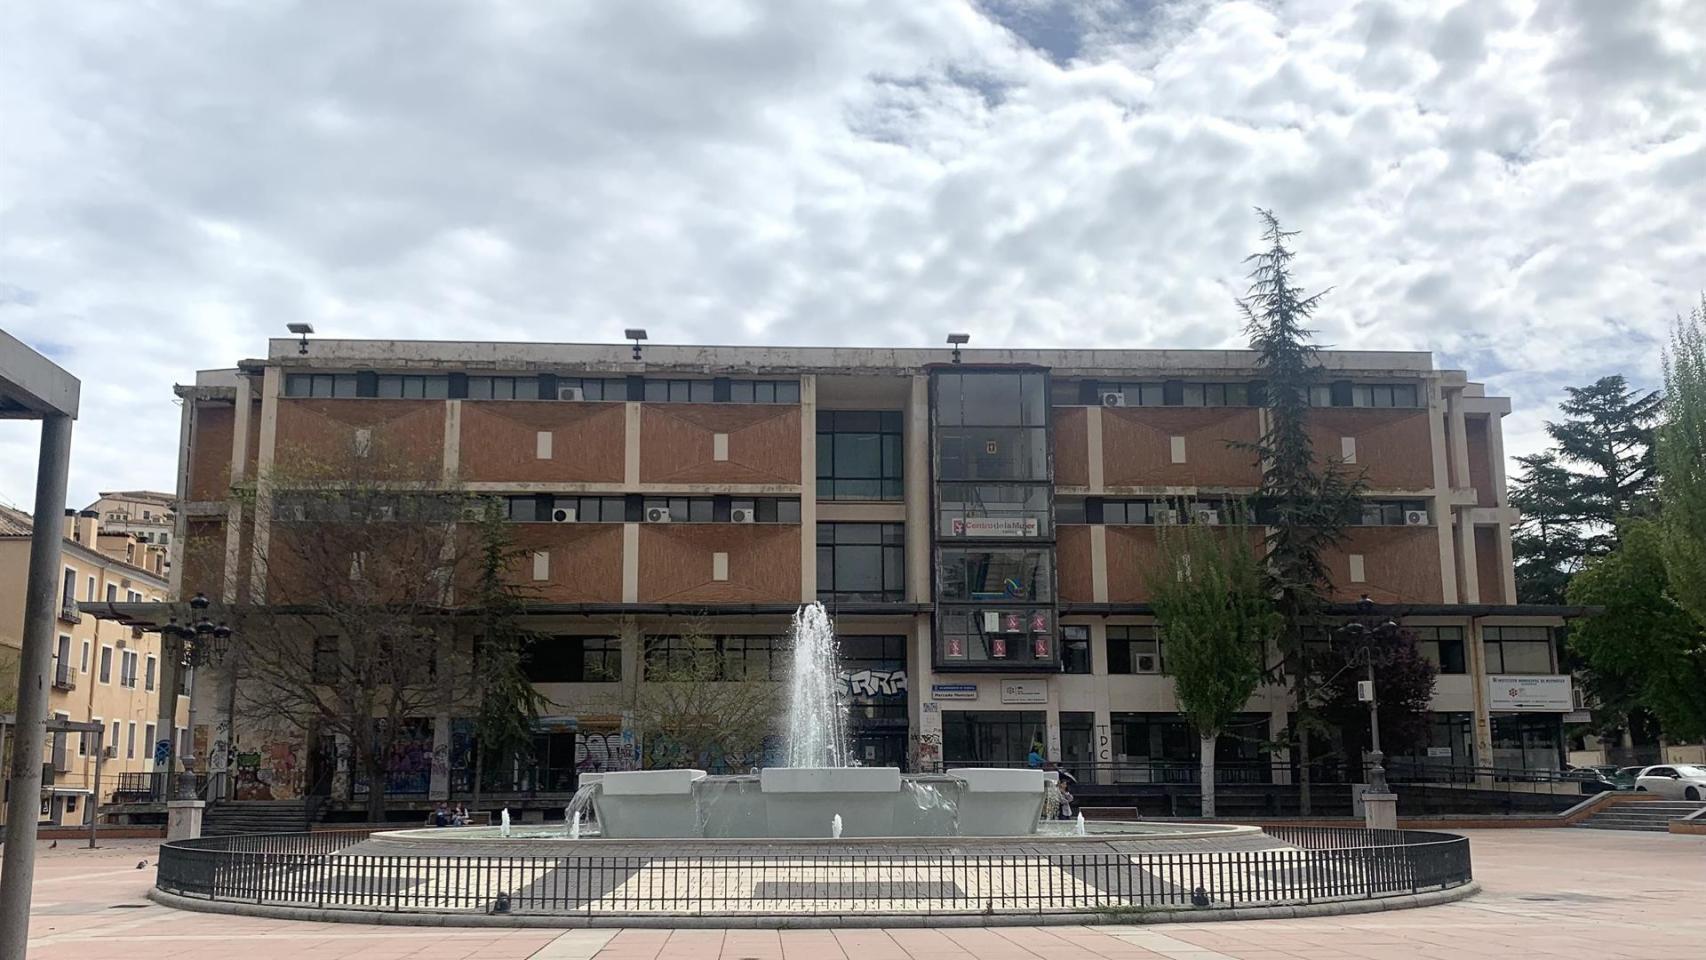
x: 1205, y: 515
x: 1415, y: 518
x: 571, y: 393
x: 111, y: 753
x: 563, y: 515
x: 1166, y: 516
x: 742, y: 515
x: 1113, y: 399
x: 1145, y: 663
x: 657, y: 515
x: 120, y: 643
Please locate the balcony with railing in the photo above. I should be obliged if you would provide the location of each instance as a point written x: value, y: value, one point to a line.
x: 69, y: 611
x: 64, y: 678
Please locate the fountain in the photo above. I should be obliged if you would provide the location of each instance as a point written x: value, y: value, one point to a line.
x: 818, y: 793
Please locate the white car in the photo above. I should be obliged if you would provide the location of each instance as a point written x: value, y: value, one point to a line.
x: 1680, y: 781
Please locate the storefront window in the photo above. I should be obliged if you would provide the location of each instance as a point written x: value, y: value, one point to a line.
x: 1012, y: 636
x: 1528, y: 743
x: 990, y: 736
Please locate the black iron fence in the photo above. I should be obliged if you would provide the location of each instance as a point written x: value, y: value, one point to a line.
x: 158, y: 786
x: 320, y: 871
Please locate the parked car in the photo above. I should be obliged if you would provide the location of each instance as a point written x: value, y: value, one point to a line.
x: 1680, y: 781
x: 1592, y: 780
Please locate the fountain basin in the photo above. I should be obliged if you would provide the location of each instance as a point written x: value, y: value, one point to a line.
x: 648, y: 804
x: 803, y: 801
x: 999, y: 802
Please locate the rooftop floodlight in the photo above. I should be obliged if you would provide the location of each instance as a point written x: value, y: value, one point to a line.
x: 958, y: 340
x: 302, y: 330
x: 635, y: 334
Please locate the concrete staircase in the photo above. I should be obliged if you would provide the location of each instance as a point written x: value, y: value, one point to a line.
x: 255, y: 816
x: 1653, y: 816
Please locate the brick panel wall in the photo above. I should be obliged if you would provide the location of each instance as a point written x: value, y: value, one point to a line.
x: 676, y: 563
x: 585, y: 562
x: 210, y: 452
x: 1137, y: 446
x: 1489, y: 573
x: 1071, y: 447
x: 499, y: 441
x: 1394, y: 447
x: 1072, y: 559
x: 406, y: 436
x: 1401, y: 565
x: 1480, y: 462
x: 677, y: 443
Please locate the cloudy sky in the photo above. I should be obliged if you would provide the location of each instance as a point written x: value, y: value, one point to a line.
x: 1518, y: 186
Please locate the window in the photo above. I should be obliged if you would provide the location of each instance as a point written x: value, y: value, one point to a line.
x: 859, y: 455
x: 127, y: 669
x: 601, y: 659
x: 681, y: 391
x: 327, y: 656
x: 327, y: 385
x: 991, y: 426
x: 112, y: 592
x: 106, y: 674
x: 1518, y: 649
x: 1074, y: 649
x: 995, y: 576
x: 1389, y: 513
x: 112, y: 741
x: 83, y: 741
x: 532, y: 509
x: 503, y: 388
x: 861, y: 561
x: 595, y: 389
x: 1343, y: 393
x: 572, y: 659
x: 713, y: 509
x: 764, y: 391
x: 1133, y: 394
x: 131, y: 596
x: 992, y: 510
x: 84, y: 665
x: 1133, y: 650
x: 89, y: 594
x: 408, y: 387
x: 1443, y: 647
x: 148, y: 675
x: 148, y: 741
x: 719, y: 657
x: 68, y: 589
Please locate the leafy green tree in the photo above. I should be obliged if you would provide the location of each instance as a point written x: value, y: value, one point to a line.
x: 1403, y: 686
x: 507, y: 702
x: 1547, y: 543
x: 1644, y: 649
x: 1682, y: 464
x: 1607, y: 435
x: 1217, y: 621
x: 1309, y: 500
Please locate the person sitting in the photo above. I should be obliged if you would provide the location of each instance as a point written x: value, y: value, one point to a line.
x: 459, y: 816
x: 441, y: 816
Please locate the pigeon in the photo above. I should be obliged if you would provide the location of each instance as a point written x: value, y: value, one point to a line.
x: 141, y: 863
x: 54, y: 845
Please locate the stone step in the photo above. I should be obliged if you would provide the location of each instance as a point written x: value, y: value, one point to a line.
x: 1633, y: 827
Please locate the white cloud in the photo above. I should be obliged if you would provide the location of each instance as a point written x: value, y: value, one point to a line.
x: 1515, y: 185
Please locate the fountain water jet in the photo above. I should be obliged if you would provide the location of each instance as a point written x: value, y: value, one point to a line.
x: 817, y: 719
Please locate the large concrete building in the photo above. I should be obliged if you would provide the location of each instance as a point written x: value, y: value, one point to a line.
x: 981, y: 524
x: 101, y: 671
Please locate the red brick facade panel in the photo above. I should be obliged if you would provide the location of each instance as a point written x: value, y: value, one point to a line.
x: 405, y: 438
x: 1072, y: 559
x: 677, y: 443
x: 584, y: 562
x: 1071, y: 447
x: 1480, y: 462
x: 1489, y: 572
x: 210, y: 451
x: 203, y: 557
x: 1400, y: 565
x: 1394, y: 448
x: 1132, y: 553
x: 500, y: 441
x: 677, y: 563
x: 1137, y: 446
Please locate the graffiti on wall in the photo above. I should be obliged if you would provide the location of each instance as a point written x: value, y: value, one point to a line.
x: 874, y: 683
x: 271, y: 771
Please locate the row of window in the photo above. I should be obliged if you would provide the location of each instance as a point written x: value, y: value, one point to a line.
x: 599, y: 659
x: 1102, y: 510
x: 85, y: 741
x: 637, y: 508
x: 861, y: 562
x: 1510, y: 650
x: 457, y: 386
x: 1186, y: 393
x: 68, y: 590
x: 129, y: 662
x: 860, y: 455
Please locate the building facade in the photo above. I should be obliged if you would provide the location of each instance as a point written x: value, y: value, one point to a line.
x: 102, y: 671
x: 980, y: 523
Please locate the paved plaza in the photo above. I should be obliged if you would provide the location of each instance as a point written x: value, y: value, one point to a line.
x: 1546, y: 893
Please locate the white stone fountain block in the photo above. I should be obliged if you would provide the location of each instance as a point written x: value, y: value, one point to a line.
x: 999, y: 802
x: 644, y: 804
x: 803, y: 801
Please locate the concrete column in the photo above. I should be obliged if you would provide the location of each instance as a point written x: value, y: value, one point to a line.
x: 1093, y: 431
x: 271, y: 386
x: 920, y: 525
x: 452, y: 440
x: 1440, y: 496
x: 438, y: 787
x: 41, y: 599
x: 1469, y: 576
x: 808, y: 488
x: 1482, y: 725
x: 1098, y: 563
x: 1102, y: 732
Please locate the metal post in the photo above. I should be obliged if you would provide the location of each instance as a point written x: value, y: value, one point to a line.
x: 166, y: 717
x: 1376, y: 771
x: 95, y: 797
x: 41, y: 598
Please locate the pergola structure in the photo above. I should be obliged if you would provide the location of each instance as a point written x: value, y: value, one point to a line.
x: 33, y: 387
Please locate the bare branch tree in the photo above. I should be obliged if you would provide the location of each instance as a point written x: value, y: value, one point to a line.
x: 703, y: 705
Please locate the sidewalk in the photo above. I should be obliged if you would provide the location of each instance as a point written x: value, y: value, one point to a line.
x: 1550, y: 892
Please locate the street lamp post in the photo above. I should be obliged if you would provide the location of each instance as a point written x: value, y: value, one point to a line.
x: 1365, y: 639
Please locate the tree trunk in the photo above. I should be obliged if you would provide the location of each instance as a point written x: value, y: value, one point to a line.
x: 374, y: 764
x: 1304, y: 806
x: 1208, y: 742
x: 479, y: 776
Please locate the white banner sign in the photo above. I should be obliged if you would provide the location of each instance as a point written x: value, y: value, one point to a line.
x: 1537, y: 693
x: 1024, y: 691
x: 954, y: 691
x: 995, y: 527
